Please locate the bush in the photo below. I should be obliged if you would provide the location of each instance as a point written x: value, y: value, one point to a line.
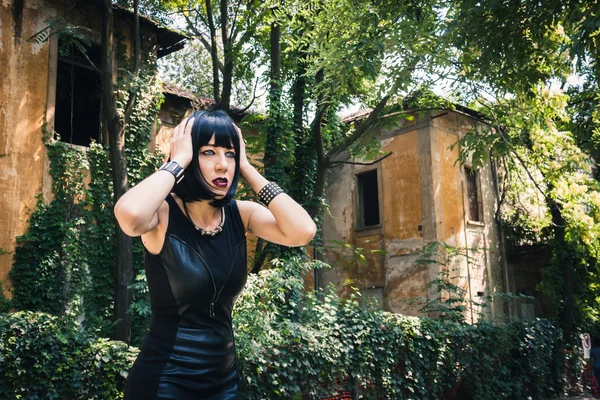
x: 43, y: 356
x: 293, y: 344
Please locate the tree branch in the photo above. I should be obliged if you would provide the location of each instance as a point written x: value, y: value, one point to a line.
x: 361, y: 128
x: 254, y: 97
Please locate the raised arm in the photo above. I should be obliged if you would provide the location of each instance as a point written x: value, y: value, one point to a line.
x: 137, y: 211
x: 284, y: 222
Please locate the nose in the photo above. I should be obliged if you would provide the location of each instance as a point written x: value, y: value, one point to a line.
x: 222, y: 163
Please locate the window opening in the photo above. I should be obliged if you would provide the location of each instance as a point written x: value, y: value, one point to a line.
x: 368, y: 199
x: 473, y: 194
x: 77, y: 107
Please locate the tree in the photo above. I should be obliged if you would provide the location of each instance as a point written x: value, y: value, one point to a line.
x: 114, y: 125
x: 228, y: 31
x: 319, y: 57
x: 509, y: 53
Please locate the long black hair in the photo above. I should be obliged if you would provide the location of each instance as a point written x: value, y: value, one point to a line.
x: 194, y: 187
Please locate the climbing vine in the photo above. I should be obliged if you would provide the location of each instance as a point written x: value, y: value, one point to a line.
x: 65, y: 262
x: 48, y: 271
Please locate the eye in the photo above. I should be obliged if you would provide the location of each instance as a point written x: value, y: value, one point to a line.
x: 208, y: 152
x: 230, y: 154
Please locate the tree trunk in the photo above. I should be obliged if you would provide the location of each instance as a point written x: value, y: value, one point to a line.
x: 562, y: 257
x: 116, y: 136
x: 213, y: 52
x: 299, y: 177
x: 225, y: 102
x: 272, y: 150
x: 272, y: 160
x: 322, y: 165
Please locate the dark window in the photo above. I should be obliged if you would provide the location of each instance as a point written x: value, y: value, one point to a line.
x: 368, y: 199
x: 473, y: 194
x: 77, y: 108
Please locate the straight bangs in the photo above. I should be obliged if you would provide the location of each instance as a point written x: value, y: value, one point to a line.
x: 207, y: 124
x: 223, y: 130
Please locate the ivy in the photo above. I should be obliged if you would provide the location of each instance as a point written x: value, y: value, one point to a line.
x: 305, y: 345
x: 315, y: 345
x: 49, y: 267
x: 5, y: 303
x: 44, y: 356
x: 65, y: 262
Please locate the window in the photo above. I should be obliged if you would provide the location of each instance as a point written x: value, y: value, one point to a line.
x: 473, y: 194
x: 77, y: 109
x: 368, y: 199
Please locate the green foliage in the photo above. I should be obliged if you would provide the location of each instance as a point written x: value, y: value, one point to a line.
x: 43, y: 356
x: 5, y: 303
x: 512, y: 59
x: 512, y: 45
x: 291, y: 342
x: 68, y: 251
x: 48, y: 272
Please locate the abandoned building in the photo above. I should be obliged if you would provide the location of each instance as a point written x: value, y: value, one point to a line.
x: 38, y: 85
x: 417, y: 194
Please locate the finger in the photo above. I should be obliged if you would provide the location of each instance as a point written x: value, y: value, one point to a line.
x: 188, y: 126
x: 175, y: 132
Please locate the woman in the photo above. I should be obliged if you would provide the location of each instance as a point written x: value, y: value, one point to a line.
x: 195, y: 257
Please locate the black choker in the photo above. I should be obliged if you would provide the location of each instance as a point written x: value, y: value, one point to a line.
x: 205, y: 232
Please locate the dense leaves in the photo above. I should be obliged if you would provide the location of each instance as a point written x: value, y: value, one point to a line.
x: 47, y: 357
x: 294, y: 344
x: 65, y: 262
x: 531, y: 69
x: 316, y: 344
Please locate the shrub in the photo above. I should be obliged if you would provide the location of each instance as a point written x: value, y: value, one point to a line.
x: 293, y: 344
x: 44, y: 356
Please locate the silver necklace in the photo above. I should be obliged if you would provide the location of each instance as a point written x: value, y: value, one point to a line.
x: 205, y: 232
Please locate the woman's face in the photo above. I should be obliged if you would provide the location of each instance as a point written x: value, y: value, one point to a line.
x: 217, y: 166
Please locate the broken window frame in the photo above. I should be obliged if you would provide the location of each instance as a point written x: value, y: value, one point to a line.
x: 474, y: 209
x: 360, y: 215
x: 53, y: 86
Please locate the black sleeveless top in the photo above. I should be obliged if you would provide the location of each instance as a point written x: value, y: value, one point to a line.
x: 189, y: 351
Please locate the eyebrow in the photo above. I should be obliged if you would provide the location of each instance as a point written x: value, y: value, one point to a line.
x: 214, y: 145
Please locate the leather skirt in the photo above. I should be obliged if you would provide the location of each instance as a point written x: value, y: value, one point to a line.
x: 185, y: 362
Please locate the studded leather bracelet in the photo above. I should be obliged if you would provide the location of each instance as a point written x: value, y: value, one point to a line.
x: 268, y: 193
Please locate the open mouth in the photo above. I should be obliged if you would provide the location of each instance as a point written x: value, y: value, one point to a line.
x: 220, y: 182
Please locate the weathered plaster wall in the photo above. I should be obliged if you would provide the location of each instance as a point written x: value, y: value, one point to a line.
x: 482, y: 272
x: 403, y: 221
x: 23, y: 94
x: 27, y: 98
x: 422, y: 191
x: 340, y: 227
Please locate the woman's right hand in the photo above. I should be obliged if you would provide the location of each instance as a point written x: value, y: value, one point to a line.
x: 181, y: 143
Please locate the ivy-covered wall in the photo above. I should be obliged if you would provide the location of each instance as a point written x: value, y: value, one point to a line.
x: 28, y: 71
x: 64, y: 262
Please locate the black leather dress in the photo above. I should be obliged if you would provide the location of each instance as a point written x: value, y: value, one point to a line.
x: 189, y: 351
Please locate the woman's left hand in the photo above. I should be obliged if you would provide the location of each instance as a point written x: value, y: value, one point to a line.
x: 243, y: 158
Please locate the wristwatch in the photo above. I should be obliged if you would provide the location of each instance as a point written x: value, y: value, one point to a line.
x: 174, y: 168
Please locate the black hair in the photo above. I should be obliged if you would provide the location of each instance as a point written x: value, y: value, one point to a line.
x: 194, y: 187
